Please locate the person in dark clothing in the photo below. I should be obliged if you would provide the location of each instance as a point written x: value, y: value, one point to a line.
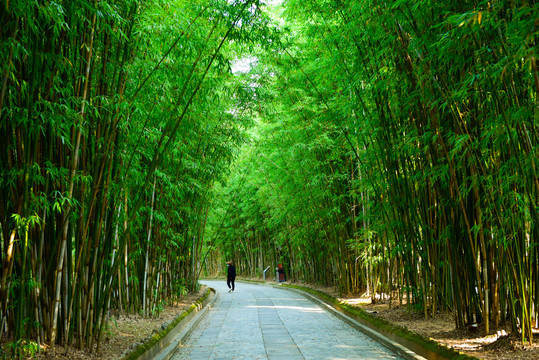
x: 231, y: 276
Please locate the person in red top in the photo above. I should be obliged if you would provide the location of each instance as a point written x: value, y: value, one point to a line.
x: 231, y: 276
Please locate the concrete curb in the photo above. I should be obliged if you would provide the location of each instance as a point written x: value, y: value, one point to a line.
x: 393, y: 345
x: 171, y: 341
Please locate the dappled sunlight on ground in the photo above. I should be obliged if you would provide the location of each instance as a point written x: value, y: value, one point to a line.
x: 441, y: 328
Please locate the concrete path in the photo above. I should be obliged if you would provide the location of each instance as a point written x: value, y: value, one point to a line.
x: 262, y: 322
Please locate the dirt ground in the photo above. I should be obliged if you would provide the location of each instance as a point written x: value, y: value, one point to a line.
x: 126, y: 332
x: 472, y: 341
x: 122, y: 334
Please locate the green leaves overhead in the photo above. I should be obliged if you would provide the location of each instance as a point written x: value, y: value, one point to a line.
x: 117, y: 117
x: 414, y: 124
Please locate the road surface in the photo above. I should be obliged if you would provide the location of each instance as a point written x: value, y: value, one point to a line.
x: 263, y: 322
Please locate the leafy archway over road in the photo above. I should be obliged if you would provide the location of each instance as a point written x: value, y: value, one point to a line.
x: 386, y: 147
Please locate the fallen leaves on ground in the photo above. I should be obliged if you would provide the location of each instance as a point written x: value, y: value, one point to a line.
x: 500, y: 345
x: 122, y: 333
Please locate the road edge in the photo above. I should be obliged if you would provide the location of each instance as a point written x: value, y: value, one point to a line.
x: 409, y: 349
x: 162, y: 345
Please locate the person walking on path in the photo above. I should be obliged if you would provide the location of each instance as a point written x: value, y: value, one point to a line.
x: 231, y: 276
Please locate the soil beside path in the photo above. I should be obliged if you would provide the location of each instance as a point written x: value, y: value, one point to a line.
x: 498, y: 346
x: 122, y: 333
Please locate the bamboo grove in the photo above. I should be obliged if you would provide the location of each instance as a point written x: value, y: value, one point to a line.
x: 395, y: 152
x: 381, y: 146
x: 115, y: 122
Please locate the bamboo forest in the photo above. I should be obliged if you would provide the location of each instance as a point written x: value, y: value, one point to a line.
x: 378, y: 147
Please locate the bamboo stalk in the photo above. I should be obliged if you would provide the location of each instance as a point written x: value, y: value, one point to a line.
x: 146, y: 263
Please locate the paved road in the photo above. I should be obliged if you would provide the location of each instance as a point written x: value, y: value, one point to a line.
x: 262, y: 322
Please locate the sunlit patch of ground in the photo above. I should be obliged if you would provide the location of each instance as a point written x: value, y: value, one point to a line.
x: 500, y: 345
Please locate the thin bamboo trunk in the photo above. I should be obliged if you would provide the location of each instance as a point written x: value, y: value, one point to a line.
x: 146, y: 263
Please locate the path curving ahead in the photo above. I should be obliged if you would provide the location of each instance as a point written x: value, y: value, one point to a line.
x: 262, y: 322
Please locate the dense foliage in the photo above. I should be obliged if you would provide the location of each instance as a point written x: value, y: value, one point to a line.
x: 396, y: 152
x: 385, y: 146
x: 115, y: 122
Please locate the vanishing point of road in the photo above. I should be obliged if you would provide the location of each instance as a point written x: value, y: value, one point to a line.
x: 263, y: 322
